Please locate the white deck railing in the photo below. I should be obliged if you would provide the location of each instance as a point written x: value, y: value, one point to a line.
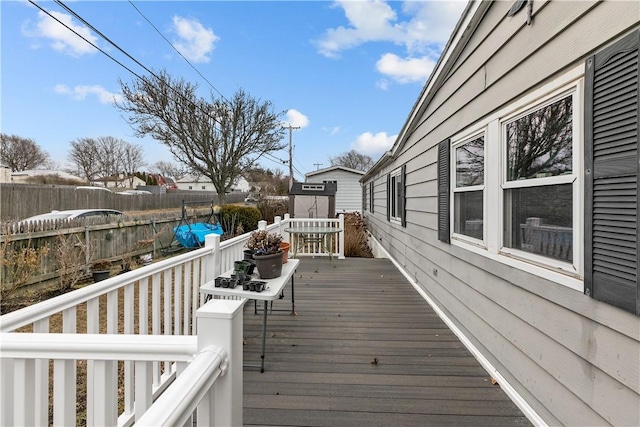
x: 161, y: 300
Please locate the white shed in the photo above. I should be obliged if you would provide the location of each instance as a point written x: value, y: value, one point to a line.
x: 348, y: 188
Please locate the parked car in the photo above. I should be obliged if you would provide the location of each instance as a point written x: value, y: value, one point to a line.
x: 72, y: 214
x: 132, y: 192
x: 92, y: 188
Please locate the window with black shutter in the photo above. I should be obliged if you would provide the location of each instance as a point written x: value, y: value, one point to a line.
x: 611, y: 174
x: 443, y: 191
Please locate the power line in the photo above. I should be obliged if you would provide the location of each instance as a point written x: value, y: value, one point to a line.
x: 174, y: 48
x: 68, y: 9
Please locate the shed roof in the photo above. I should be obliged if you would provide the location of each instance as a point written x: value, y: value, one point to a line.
x: 313, y: 189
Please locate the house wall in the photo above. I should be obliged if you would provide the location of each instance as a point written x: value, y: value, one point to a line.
x: 196, y: 186
x: 574, y: 360
x: 349, y: 192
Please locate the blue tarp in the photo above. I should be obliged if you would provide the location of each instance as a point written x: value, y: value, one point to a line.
x: 192, y: 236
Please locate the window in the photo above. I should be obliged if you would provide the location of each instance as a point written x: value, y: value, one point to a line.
x: 468, y: 188
x: 510, y: 187
x: 538, y: 181
x: 395, y: 197
x: 371, y: 196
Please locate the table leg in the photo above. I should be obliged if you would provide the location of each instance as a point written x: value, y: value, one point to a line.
x: 264, y: 336
x: 293, y: 299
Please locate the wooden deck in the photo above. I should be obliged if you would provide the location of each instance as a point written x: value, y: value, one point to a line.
x: 364, y: 350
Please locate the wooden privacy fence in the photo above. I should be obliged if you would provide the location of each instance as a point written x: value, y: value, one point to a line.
x: 21, y: 201
x: 62, y: 250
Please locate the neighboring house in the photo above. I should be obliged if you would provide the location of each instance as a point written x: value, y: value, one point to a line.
x: 348, y: 188
x: 122, y: 181
x: 241, y: 186
x: 190, y: 182
x: 23, y: 176
x: 510, y: 198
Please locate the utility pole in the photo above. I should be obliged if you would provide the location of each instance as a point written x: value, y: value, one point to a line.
x: 291, y: 128
x: 317, y: 165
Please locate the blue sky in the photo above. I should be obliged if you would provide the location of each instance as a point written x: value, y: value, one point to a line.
x: 346, y: 72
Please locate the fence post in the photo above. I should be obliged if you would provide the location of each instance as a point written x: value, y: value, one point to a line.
x: 341, y: 237
x: 220, y: 323
x: 262, y: 224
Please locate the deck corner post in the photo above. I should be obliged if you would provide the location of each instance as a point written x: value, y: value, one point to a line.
x: 262, y: 224
x: 220, y: 323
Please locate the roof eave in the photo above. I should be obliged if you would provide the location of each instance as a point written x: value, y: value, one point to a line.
x: 465, y: 27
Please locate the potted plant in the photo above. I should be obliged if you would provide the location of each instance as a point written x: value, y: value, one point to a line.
x: 266, y: 253
x: 100, y: 269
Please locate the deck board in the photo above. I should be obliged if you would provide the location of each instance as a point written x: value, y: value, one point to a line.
x: 364, y: 349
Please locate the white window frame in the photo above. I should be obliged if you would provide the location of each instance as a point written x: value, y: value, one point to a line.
x: 394, y: 215
x: 578, y: 143
x: 570, y: 275
x: 454, y: 145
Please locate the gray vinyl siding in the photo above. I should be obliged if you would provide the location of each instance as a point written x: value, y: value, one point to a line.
x: 573, y: 359
x: 349, y: 192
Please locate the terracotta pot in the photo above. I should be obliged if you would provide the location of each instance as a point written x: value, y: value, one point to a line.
x: 284, y: 246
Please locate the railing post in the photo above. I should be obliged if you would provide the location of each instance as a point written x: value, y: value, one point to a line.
x: 212, y: 261
x: 262, y: 224
x: 220, y: 323
x: 341, y: 237
x: 285, y: 236
x: 278, y: 221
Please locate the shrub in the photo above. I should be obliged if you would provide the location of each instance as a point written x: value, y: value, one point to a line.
x: 233, y: 217
x: 355, y: 237
x: 18, y: 265
x: 270, y: 209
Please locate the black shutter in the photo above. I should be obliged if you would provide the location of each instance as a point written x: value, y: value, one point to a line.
x: 403, y: 209
x: 443, y: 191
x: 388, y: 197
x: 371, y: 200
x: 611, y: 174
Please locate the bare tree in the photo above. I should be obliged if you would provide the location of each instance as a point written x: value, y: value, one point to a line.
x: 105, y: 157
x: 353, y: 160
x: 20, y: 154
x: 218, y: 139
x: 169, y: 169
x: 132, y: 160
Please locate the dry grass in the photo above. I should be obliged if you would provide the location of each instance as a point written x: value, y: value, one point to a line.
x: 355, y: 237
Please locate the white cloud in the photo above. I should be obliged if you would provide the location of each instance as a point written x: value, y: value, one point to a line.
x: 62, y: 39
x: 296, y: 118
x: 407, y: 70
x: 422, y: 34
x: 430, y: 24
x: 195, y: 41
x: 373, y: 144
x: 80, y: 93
